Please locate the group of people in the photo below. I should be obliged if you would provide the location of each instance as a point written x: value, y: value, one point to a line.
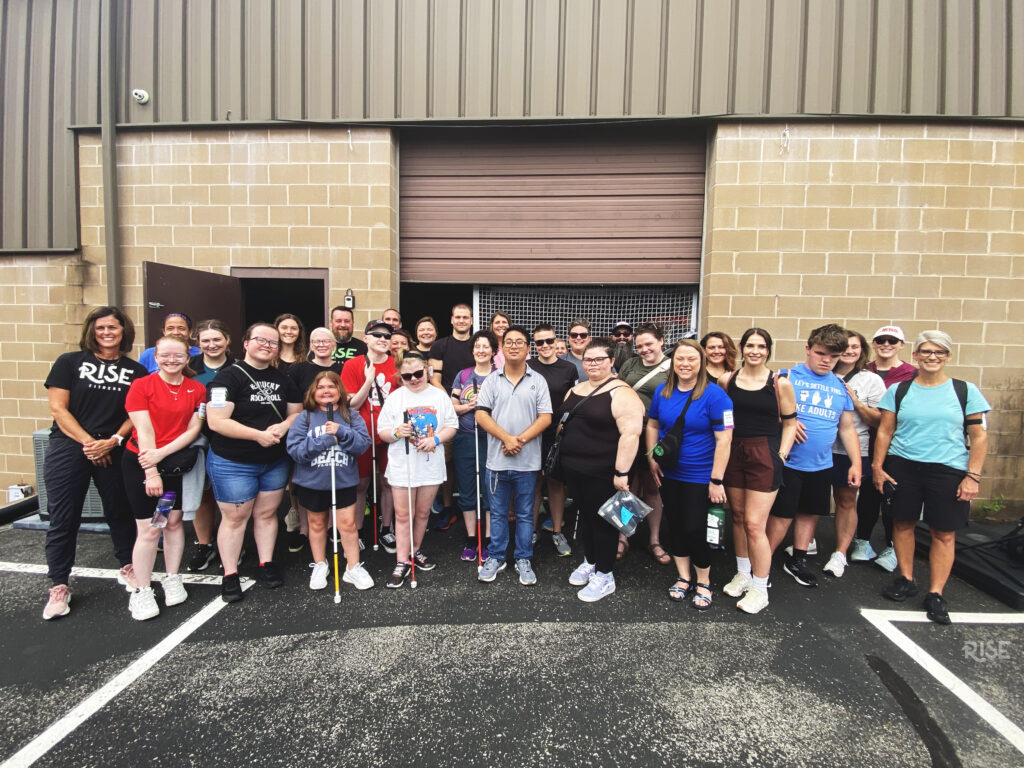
x: 479, y: 428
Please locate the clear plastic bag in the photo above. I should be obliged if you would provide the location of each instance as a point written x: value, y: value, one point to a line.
x: 624, y: 511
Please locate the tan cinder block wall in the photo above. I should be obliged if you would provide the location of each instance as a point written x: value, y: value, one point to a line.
x: 209, y: 200
x: 865, y: 224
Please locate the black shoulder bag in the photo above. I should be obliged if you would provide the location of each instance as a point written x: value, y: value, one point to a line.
x: 666, y: 452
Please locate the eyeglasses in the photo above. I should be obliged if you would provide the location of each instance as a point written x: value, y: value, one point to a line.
x: 936, y: 353
x: 890, y: 340
x: 621, y: 334
x: 322, y: 343
x: 584, y: 335
x: 595, y: 360
x: 174, y: 358
x: 379, y: 335
x: 268, y: 343
x: 514, y: 343
x: 544, y: 342
x: 414, y: 375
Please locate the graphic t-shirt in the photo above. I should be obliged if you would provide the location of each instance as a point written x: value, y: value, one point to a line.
x: 429, y: 411
x: 820, y: 401
x: 385, y: 381
x: 170, y: 407
x: 96, y: 388
x: 467, y: 383
x: 252, y: 408
x: 930, y: 423
x: 868, y: 388
x: 346, y: 350
x: 710, y: 413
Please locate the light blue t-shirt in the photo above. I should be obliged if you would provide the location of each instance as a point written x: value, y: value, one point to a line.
x: 820, y: 401
x: 930, y: 424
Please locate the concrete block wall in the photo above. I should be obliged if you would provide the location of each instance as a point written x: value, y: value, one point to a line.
x: 865, y: 224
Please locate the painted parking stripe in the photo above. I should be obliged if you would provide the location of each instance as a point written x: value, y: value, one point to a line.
x: 103, y: 573
x: 883, y: 621
x: 95, y: 701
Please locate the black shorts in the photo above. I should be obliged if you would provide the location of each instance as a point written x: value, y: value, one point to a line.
x: 144, y: 506
x: 841, y: 470
x: 320, y: 501
x: 931, y: 485
x: 804, y: 493
x: 754, y: 464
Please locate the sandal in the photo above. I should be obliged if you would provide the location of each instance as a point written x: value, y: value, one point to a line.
x: 679, y: 593
x: 623, y: 549
x: 664, y: 558
x: 702, y: 602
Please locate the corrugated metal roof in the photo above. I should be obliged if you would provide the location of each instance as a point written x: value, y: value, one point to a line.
x: 222, y: 61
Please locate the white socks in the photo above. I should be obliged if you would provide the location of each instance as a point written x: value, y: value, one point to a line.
x: 743, y: 566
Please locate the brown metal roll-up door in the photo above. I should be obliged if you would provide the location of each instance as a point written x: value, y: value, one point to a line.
x: 557, y: 204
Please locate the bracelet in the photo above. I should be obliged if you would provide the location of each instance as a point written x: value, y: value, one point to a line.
x: 394, y: 435
x: 437, y: 441
x: 620, y: 474
x: 716, y: 481
x: 784, y: 457
x: 975, y: 476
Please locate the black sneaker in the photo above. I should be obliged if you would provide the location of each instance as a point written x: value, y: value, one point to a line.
x: 423, y: 564
x: 797, y: 568
x: 202, y: 557
x: 398, y: 576
x: 446, y: 519
x: 231, y: 589
x: 270, y: 576
x: 389, y: 542
x: 900, y: 589
x: 935, y: 607
x: 296, y: 541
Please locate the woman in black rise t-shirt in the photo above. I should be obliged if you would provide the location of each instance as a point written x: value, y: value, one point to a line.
x: 86, y: 392
x: 250, y: 406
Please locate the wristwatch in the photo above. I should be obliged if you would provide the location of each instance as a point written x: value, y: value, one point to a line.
x: 716, y: 481
x: 119, y: 437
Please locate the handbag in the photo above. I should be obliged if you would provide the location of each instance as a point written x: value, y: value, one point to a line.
x: 179, y: 463
x: 552, y: 467
x: 666, y: 452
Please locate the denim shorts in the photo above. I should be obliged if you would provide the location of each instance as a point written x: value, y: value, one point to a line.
x: 236, y: 482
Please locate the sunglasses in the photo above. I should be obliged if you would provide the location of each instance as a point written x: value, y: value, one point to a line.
x: 891, y: 340
x: 544, y: 342
x: 621, y: 335
x: 584, y: 335
x: 379, y: 335
x: 414, y: 375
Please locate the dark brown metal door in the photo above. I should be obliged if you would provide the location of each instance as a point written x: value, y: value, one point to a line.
x: 200, y: 295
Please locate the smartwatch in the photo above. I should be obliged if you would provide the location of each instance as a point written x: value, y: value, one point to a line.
x: 119, y: 437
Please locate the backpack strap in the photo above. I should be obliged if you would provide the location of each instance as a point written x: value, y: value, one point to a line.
x: 901, y: 391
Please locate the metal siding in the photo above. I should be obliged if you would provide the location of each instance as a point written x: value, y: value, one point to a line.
x: 544, y: 59
x: 351, y: 60
x: 288, y: 72
x: 140, y: 65
x: 171, y: 64
x: 856, y: 62
x: 15, y: 115
x: 992, y: 70
x: 198, y: 58
x: 85, y: 91
x: 381, y: 77
x: 510, y: 58
x: 787, y: 47
x: 612, y: 28
x: 891, y: 59
x: 1015, y: 66
x: 751, y: 59
x: 716, y: 54
x: 645, y: 72
x: 318, y: 57
x: 476, y: 74
x: 593, y: 206
x: 578, y: 26
x: 63, y: 211
x: 681, y: 57
x: 926, y: 57
x: 444, y: 59
x: 959, y: 59
x: 257, y: 72
x: 820, y: 75
x: 40, y: 110
x: 415, y: 56
x: 228, y: 61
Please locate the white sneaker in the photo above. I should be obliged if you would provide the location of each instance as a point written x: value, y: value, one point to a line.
x: 887, y: 559
x: 358, y: 577
x: 836, y: 564
x: 600, y: 585
x: 581, y: 576
x: 318, y: 579
x: 174, y: 590
x: 126, y: 578
x: 812, y: 548
x: 739, y: 585
x: 754, y: 601
x: 143, y: 605
x: 862, y: 551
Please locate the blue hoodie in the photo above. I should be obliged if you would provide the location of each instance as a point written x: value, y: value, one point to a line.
x: 311, y: 448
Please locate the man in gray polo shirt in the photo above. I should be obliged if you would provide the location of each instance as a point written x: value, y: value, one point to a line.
x: 514, y: 408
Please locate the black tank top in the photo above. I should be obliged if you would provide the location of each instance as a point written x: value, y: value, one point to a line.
x: 591, y: 436
x: 756, y: 413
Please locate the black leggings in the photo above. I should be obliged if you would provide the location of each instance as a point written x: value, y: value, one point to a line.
x: 600, y: 538
x: 686, y: 520
x: 869, y: 503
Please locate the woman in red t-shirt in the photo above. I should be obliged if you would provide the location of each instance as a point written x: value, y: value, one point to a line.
x: 165, y: 411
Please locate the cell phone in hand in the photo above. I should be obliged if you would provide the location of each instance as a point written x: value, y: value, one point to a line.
x: 888, y: 492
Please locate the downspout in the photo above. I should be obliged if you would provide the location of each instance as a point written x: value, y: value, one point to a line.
x: 108, y: 149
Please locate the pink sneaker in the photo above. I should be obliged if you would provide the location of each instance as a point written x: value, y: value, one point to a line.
x: 59, y: 603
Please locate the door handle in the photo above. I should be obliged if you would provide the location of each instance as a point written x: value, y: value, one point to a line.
x: 155, y: 305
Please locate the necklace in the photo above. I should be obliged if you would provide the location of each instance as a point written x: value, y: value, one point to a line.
x: 173, y: 392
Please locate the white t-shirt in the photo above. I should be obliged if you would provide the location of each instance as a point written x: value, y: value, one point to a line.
x: 869, y: 388
x: 429, y: 411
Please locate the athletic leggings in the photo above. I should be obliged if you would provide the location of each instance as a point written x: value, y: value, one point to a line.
x: 869, y: 502
x: 600, y: 538
x: 686, y: 520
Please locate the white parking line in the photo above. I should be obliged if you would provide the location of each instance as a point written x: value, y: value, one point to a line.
x: 92, y: 703
x: 883, y: 621
x: 103, y: 573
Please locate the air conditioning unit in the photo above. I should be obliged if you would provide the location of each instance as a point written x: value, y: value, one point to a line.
x: 92, y: 511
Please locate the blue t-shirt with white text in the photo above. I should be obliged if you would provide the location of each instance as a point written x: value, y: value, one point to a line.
x: 820, y: 401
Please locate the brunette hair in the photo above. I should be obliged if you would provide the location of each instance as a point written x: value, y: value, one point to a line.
x: 300, y: 349
x: 865, y: 350
x: 730, y: 347
x: 672, y: 381
x: 491, y: 339
x: 652, y: 328
x: 215, y: 325
x: 87, y: 342
x: 309, y: 400
x: 496, y: 315
x: 601, y: 342
x: 832, y: 337
x: 757, y: 332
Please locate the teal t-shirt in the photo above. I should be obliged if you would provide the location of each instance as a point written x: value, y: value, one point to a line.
x: 930, y: 424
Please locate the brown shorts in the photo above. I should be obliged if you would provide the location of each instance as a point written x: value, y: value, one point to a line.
x: 754, y: 465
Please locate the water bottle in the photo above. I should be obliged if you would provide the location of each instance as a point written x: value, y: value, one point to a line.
x: 163, y: 509
x: 716, y: 528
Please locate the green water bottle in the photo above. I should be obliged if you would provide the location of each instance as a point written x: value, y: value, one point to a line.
x: 716, y: 527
